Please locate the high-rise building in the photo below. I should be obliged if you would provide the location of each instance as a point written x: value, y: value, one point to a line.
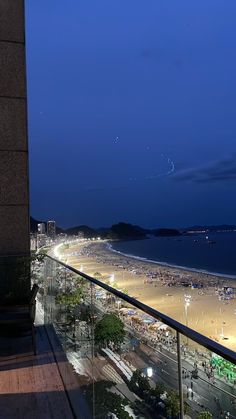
x: 41, y: 228
x: 51, y: 228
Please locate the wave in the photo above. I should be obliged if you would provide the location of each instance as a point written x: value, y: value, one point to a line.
x: 170, y: 265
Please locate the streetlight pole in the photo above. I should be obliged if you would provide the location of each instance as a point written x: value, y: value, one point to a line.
x: 112, y: 278
x: 180, y: 383
x: 187, y: 300
x: 118, y: 303
x: 222, y: 331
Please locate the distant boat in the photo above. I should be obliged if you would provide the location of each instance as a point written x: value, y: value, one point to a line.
x: 210, y: 241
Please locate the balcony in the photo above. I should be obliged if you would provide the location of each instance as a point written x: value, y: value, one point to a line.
x: 31, y: 386
x: 103, y: 354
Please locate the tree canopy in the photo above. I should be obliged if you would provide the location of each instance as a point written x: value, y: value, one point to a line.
x: 106, y: 401
x: 70, y: 299
x: 110, y: 329
x: 172, y: 404
x: 139, y: 383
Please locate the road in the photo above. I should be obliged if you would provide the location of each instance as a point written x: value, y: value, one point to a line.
x: 164, y: 366
x: 213, y: 397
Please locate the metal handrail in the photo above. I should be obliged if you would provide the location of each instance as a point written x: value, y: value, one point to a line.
x: 179, y: 327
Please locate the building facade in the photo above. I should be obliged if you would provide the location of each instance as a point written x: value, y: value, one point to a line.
x: 41, y: 228
x: 14, y: 196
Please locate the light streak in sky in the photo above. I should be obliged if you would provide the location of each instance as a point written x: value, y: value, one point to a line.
x: 167, y: 169
x: 167, y: 172
x: 172, y: 167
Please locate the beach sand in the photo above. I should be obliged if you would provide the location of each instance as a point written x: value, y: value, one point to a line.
x: 206, y: 313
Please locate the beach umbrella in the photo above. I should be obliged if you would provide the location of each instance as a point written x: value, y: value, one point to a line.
x: 156, y: 325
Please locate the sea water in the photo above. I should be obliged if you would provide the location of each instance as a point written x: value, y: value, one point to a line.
x: 211, y: 252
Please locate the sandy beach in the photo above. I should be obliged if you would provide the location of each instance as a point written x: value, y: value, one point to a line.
x: 164, y: 288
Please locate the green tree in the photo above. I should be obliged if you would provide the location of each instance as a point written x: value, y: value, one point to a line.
x: 159, y: 389
x: 69, y: 299
x: 110, y: 329
x: 204, y: 415
x: 80, y: 281
x: 106, y: 402
x: 139, y: 383
x: 172, y: 404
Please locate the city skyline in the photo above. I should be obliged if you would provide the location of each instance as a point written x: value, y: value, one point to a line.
x: 131, y: 112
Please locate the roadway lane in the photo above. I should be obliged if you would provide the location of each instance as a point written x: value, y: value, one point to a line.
x: 205, y: 394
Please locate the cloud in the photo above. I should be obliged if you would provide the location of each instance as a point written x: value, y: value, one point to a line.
x: 219, y: 171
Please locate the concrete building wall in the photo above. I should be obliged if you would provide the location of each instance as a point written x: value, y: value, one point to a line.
x: 14, y: 194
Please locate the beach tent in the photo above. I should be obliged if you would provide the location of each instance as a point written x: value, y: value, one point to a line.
x: 149, y: 321
x: 131, y: 312
x: 124, y: 310
x: 163, y: 327
x: 128, y: 311
x: 156, y: 325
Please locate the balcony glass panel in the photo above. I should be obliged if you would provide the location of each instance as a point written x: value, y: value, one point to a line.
x: 129, y: 362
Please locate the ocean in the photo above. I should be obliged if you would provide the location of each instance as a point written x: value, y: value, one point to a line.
x: 217, y: 255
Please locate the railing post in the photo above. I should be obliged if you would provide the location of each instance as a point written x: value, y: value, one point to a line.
x: 181, y: 398
x: 92, y: 288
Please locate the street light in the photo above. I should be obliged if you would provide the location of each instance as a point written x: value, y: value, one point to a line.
x: 112, y: 278
x: 187, y: 300
x: 149, y: 372
x: 118, y: 303
x: 222, y: 330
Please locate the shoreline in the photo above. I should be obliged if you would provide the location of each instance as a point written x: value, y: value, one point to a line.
x: 211, y: 312
x: 169, y: 265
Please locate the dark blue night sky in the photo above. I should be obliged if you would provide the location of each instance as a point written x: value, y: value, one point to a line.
x: 132, y: 111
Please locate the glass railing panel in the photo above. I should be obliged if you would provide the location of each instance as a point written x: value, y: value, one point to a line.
x: 38, y: 277
x: 208, y: 381
x: 68, y: 310
x: 57, y: 316
x: 135, y: 359
x: 127, y: 361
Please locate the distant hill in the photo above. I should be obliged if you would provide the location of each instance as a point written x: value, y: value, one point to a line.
x: 126, y: 231
x: 87, y: 231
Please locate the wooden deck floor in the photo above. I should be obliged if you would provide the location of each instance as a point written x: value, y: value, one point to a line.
x: 31, y: 386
